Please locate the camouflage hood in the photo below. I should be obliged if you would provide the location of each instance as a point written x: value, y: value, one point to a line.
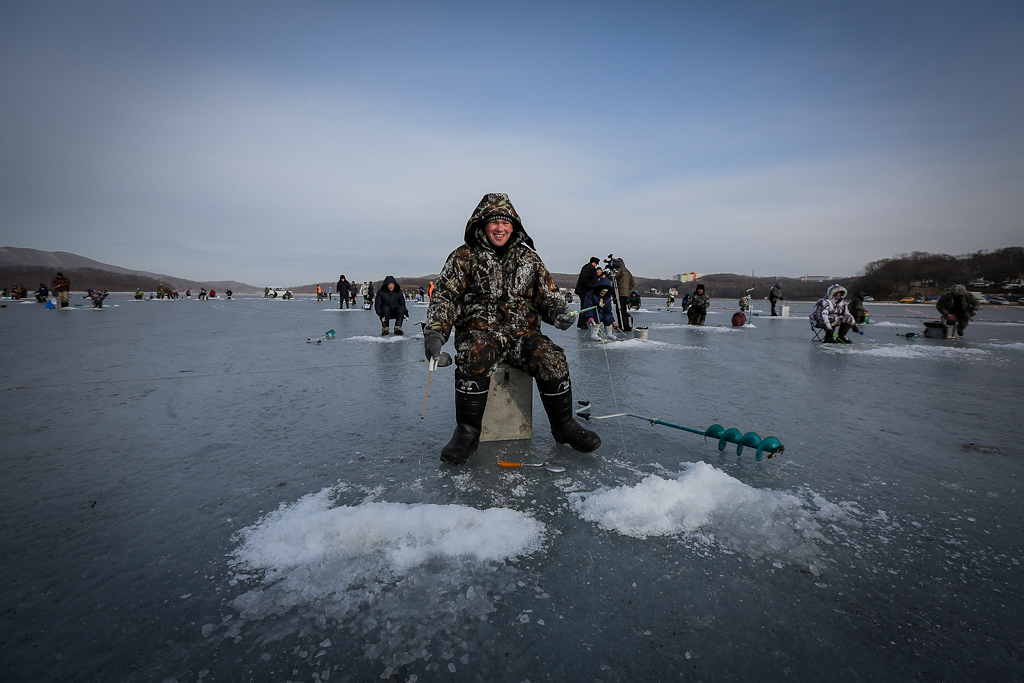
x: 958, y: 290
x: 495, y: 205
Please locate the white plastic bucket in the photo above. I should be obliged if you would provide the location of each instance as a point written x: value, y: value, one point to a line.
x: 640, y: 333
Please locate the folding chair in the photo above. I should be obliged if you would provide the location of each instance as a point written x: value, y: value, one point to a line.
x: 818, y: 332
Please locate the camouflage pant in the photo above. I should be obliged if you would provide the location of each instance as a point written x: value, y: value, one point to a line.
x: 480, y: 351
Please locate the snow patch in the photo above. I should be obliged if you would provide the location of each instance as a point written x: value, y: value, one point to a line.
x: 1012, y: 345
x: 910, y: 352
x: 705, y: 507
x: 404, y: 577
x: 390, y: 339
x: 641, y: 344
x: 891, y: 324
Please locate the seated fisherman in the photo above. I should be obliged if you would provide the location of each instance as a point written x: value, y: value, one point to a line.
x: 494, y: 291
x: 832, y: 314
x: 596, y: 308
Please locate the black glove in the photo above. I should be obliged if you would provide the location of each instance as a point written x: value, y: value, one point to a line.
x: 432, y: 342
x: 563, y: 318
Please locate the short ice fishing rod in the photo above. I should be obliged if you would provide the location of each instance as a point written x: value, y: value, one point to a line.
x: 769, y: 445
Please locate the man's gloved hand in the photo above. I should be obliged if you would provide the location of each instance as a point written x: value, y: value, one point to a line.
x: 950, y: 317
x: 563, y: 318
x: 615, y: 325
x: 432, y: 342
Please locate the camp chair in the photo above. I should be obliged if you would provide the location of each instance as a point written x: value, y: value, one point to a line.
x: 818, y: 332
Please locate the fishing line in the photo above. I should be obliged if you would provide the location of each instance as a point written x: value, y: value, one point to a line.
x: 615, y: 400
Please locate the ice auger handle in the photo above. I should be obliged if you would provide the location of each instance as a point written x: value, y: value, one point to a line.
x: 769, y: 445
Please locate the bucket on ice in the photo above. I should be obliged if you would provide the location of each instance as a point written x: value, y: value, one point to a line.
x: 640, y: 333
x: 939, y: 330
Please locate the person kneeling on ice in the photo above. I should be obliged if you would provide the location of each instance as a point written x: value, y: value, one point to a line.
x: 390, y: 304
x: 958, y: 306
x: 494, y: 290
x: 596, y: 308
x: 832, y: 311
x: 97, y: 297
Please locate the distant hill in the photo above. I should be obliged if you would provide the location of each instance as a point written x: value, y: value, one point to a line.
x: 29, y: 267
x: 720, y: 285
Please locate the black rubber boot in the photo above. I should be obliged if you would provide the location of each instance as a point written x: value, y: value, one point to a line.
x: 557, y: 399
x: 398, y: 329
x: 844, y: 329
x: 470, y: 402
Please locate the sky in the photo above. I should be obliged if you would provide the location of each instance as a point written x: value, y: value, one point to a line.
x: 285, y: 143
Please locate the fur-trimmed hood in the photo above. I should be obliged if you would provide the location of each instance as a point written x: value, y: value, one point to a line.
x: 835, y: 288
x: 495, y: 205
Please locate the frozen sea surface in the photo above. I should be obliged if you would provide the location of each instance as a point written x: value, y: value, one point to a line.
x: 193, y: 492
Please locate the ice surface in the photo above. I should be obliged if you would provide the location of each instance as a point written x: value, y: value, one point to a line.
x: 203, y: 449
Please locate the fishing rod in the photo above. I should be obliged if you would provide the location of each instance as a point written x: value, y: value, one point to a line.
x: 769, y: 445
x: 442, y: 361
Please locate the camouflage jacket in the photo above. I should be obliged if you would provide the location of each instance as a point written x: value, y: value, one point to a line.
x: 702, y: 300
x: 480, y: 288
x: 957, y: 301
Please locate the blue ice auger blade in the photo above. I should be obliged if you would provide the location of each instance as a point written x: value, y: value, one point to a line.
x: 714, y: 431
x: 769, y: 445
x: 749, y: 439
x: 730, y: 436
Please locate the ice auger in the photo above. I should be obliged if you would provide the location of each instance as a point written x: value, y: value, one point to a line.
x: 769, y: 445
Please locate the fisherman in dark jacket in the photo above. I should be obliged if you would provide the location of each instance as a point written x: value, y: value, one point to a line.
x: 390, y: 304
x: 493, y: 292
x: 585, y: 283
x: 343, y: 287
x: 775, y: 295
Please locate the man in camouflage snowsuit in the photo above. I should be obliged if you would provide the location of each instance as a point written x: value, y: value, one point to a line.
x: 698, y: 309
x: 494, y: 291
x: 958, y: 306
